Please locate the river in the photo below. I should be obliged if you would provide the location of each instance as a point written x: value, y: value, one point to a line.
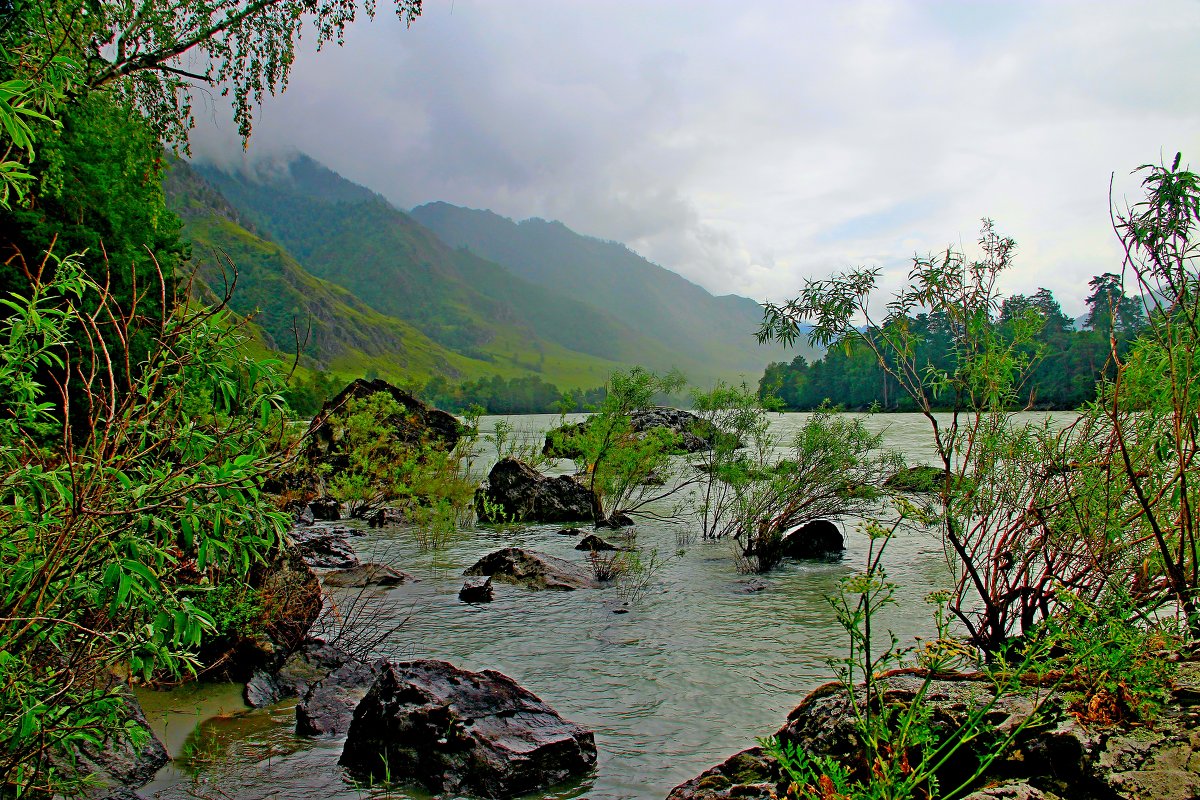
x: 695, y: 671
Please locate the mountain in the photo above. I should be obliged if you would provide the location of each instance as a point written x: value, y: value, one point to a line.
x: 350, y: 236
x: 338, y: 330
x: 716, y: 331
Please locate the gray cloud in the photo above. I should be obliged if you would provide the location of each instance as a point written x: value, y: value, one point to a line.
x: 753, y: 145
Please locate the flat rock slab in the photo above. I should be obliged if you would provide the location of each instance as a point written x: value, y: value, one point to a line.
x: 532, y: 569
x: 325, y: 547
x: 365, y: 575
x: 474, y: 733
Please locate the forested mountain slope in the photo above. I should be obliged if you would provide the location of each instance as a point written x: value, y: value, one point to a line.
x: 644, y: 295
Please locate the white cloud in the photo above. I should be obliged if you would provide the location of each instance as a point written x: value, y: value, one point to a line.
x: 750, y: 146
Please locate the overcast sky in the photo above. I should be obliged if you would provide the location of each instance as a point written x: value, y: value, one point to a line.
x: 749, y: 145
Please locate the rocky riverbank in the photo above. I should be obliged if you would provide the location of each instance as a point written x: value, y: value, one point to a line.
x: 1056, y: 756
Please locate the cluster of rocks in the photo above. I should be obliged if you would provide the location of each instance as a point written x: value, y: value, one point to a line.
x: 1053, y: 755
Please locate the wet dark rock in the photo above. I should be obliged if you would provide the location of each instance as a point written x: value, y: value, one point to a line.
x: 533, y: 570
x: 921, y: 479
x: 325, y: 546
x: 617, y: 519
x: 366, y: 575
x: 819, y: 539
x: 328, y: 706
x: 416, y: 425
x: 325, y: 509
x: 515, y: 492
x: 307, y: 665
x: 594, y: 542
x: 751, y: 585
x: 750, y: 774
x: 123, y: 793
x: 302, y: 515
x: 468, y: 733
x: 570, y: 532
x: 385, y: 516
x: 477, y: 589
x: 118, y: 763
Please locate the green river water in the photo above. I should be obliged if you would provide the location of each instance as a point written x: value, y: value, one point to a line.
x: 694, y: 672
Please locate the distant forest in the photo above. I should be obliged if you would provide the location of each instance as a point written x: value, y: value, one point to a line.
x: 1068, y: 362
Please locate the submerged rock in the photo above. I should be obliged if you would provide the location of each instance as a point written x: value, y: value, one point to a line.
x: 818, y: 539
x: 477, y: 590
x: 594, y: 542
x: 533, y: 570
x: 516, y: 492
x: 369, y: 574
x: 459, y: 732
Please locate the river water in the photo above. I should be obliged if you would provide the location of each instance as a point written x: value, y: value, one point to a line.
x: 695, y: 670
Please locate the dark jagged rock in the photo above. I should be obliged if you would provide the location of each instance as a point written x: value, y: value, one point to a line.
x: 325, y: 509
x: 328, y: 706
x: 594, y: 542
x: 457, y: 732
x: 325, y: 547
x: 366, y: 575
x: 533, y: 570
x: 750, y: 774
x: 515, y: 492
x: 308, y: 665
x: 819, y: 539
x: 418, y: 424
x: 922, y: 479
x: 751, y: 586
x: 617, y: 519
x: 570, y: 532
x: 126, y: 758
x: 476, y: 589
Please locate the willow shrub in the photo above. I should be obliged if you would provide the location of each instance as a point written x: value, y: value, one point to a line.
x: 112, y: 526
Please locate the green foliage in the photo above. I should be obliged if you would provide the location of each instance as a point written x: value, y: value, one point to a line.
x: 619, y: 463
x: 903, y: 751
x: 147, y: 53
x: 732, y: 418
x: 1065, y: 365
x: 833, y: 468
x: 106, y: 536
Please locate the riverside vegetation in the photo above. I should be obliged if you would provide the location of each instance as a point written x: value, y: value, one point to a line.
x: 142, y: 426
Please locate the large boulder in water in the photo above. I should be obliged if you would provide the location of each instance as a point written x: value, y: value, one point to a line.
x: 533, y: 570
x: 127, y: 757
x: 463, y: 733
x: 819, y: 539
x: 516, y: 492
x: 415, y: 425
x: 560, y: 442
